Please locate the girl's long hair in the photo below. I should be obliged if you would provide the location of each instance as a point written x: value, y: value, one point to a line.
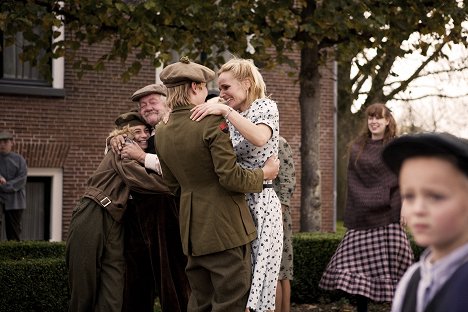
x: 377, y: 110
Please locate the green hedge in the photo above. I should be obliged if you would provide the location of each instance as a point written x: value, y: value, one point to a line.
x: 31, y: 250
x: 33, y: 285
x: 33, y: 276
x: 312, y: 252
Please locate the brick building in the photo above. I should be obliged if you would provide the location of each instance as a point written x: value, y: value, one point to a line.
x: 61, y: 131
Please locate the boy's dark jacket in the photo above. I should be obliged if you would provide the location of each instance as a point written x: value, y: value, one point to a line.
x: 452, y: 297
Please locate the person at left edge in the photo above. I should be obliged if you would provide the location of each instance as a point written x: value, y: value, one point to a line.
x: 13, y: 176
x: 95, y: 243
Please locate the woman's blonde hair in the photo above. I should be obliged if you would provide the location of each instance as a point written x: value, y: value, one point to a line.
x: 243, y: 69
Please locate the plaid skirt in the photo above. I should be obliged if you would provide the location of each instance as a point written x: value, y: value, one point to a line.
x: 369, y: 262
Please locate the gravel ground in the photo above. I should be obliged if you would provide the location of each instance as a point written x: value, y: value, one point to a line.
x: 337, y: 307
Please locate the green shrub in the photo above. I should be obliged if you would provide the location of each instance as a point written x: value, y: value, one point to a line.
x: 312, y: 252
x: 31, y: 250
x: 33, y: 285
x: 33, y: 275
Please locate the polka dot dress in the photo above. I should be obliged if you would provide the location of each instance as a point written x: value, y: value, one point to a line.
x: 265, y: 208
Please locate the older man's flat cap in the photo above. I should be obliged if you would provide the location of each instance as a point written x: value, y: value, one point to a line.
x: 185, y: 71
x: 426, y: 144
x: 130, y: 119
x: 6, y: 135
x: 149, y: 89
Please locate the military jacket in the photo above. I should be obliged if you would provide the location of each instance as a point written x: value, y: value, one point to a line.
x: 199, y: 164
x: 111, y: 183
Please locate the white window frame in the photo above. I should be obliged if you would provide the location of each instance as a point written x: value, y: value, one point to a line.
x: 56, y: 199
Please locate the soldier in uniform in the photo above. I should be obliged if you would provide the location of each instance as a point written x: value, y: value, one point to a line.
x: 95, y: 245
x: 199, y: 165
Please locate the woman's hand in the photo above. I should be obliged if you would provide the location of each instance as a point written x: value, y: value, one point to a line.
x: 271, y: 168
x: 200, y: 111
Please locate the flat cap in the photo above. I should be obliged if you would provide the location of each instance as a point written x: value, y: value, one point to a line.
x: 149, y: 89
x: 426, y: 144
x: 130, y: 119
x: 185, y: 71
x: 6, y: 135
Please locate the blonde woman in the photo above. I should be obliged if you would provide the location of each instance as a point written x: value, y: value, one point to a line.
x: 253, y: 121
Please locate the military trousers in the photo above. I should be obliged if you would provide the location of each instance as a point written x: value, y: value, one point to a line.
x: 95, y: 260
x: 220, y: 281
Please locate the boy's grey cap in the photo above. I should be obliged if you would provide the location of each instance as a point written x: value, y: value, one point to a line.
x: 185, y: 71
x: 6, y: 135
x: 426, y: 144
x: 149, y: 89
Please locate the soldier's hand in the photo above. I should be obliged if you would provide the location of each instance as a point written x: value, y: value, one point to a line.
x: 117, y: 143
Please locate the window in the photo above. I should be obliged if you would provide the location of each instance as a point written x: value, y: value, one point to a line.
x: 14, y: 71
x: 21, y: 78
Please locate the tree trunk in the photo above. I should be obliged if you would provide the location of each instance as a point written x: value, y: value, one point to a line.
x: 309, y: 100
x: 348, y: 127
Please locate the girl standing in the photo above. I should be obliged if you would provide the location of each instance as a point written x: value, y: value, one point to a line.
x: 375, y: 251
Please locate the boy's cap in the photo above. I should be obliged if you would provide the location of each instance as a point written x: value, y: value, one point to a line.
x: 426, y: 144
x: 130, y: 119
x: 185, y: 71
x: 149, y: 89
x: 6, y: 135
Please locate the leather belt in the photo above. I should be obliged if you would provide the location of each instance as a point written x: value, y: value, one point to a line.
x: 267, y: 185
x: 97, y: 195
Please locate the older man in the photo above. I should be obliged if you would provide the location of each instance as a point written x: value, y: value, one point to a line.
x: 153, y: 251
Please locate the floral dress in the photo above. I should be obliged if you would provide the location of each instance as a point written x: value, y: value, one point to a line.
x: 265, y: 207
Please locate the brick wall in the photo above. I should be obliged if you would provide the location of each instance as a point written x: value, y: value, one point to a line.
x: 70, y: 132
